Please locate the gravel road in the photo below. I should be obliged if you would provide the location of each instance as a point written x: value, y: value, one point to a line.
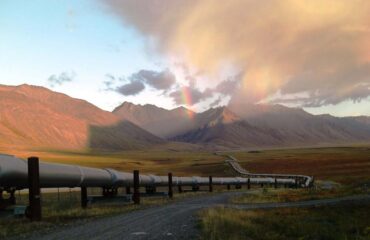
x: 173, y: 221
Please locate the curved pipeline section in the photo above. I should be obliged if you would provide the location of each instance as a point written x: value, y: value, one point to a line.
x: 14, y: 174
x: 305, y: 181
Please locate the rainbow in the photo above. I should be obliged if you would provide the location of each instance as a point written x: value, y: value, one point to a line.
x: 187, y: 100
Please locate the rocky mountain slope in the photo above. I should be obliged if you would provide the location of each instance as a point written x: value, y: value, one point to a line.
x: 33, y: 116
x: 248, y: 126
x: 37, y: 117
x: 161, y: 122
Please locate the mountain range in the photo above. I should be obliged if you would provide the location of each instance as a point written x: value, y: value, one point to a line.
x: 36, y: 117
x: 32, y: 116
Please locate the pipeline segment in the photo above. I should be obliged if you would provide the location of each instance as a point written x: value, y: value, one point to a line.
x: 304, y: 181
x: 14, y: 173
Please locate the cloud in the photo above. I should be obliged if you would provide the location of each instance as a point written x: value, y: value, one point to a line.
x: 166, y: 82
x: 355, y: 93
x: 109, y: 83
x: 229, y: 86
x: 159, y: 80
x: 62, y: 78
x: 131, y: 88
x: 320, y: 48
x: 190, y: 95
x: 216, y: 102
x: 162, y: 80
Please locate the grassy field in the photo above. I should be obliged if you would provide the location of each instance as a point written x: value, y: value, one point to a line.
x: 292, y: 195
x: 343, y: 222
x: 155, y: 161
x: 348, y: 166
x: 345, y: 165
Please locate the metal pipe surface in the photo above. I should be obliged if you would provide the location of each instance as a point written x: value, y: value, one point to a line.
x: 14, y: 174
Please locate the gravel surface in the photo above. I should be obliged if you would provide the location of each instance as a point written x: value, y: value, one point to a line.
x: 173, y: 221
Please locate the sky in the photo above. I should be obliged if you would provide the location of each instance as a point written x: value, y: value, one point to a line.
x: 199, y: 54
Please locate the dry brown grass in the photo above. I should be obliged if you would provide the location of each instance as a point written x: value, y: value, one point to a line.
x: 342, y: 164
x: 346, y: 165
x: 349, y: 166
x: 341, y: 222
x: 294, y: 195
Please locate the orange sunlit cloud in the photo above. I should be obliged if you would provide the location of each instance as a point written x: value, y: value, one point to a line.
x: 288, y: 46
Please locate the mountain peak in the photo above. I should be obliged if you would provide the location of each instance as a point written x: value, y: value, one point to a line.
x: 21, y: 87
x: 219, y: 115
x: 124, y: 106
x: 182, y: 111
x: 36, y: 116
x: 228, y: 116
x: 129, y: 106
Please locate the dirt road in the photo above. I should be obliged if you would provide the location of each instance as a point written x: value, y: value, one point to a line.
x: 173, y: 221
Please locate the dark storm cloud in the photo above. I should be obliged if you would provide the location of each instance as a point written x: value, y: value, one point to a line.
x: 160, y: 80
x: 131, y: 88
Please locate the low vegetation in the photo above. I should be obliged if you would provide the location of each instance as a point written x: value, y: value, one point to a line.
x: 344, y: 165
x: 348, y: 168
x: 338, y: 222
x: 330, y: 223
x: 266, y: 195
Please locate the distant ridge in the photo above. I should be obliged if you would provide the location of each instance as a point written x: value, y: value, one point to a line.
x: 32, y: 116
x: 36, y: 117
x: 298, y: 127
x: 259, y: 125
x: 159, y: 121
x: 219, y: 127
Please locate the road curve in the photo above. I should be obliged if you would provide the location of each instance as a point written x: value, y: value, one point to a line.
x: 173, y: 221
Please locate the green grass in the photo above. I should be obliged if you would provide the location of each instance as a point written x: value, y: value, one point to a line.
x: 343, y: 222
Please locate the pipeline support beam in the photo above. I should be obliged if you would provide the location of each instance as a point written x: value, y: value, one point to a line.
x: 136, y: 196
x: 84, y: 197
x: 34, y: 211
x: 210, y: 184
x: 170, y: 192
